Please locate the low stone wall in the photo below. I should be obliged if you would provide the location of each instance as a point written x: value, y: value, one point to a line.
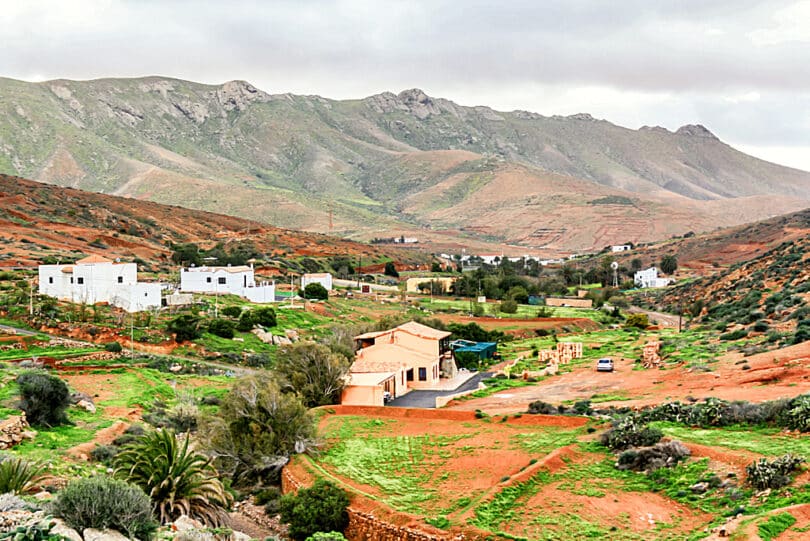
x: 14, y: 430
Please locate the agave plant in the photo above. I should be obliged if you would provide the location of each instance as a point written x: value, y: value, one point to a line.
x: 19, y: 476
x: 178, y: 480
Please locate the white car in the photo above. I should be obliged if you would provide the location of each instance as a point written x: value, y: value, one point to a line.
x: 604, y: 365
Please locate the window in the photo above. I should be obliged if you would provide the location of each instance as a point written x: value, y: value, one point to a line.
x: 221, y: 280
x: 422, y: 373
x: 50, y: 279
x: 120, y: 279
x: 80, y: 279
x: 208, y: 280
x: 71, y: 279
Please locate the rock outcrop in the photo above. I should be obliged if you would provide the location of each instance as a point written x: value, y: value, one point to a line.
x: 14, y: 430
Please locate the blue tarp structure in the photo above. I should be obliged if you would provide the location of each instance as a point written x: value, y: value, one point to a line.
x: 484, y: 350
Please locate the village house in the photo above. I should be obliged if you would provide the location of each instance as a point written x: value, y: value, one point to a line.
x: 390, y: 363
x: 621, y: 248
x: 649, y: 278
x: 96, y: 279
x: 323, y: 278
x: 236, y: 280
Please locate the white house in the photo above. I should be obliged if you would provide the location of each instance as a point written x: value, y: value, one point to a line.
x: 621, y: 248
x: 96, y: 279
x: 649, y: 278
x: 323, y: 278
x: 237, y: 280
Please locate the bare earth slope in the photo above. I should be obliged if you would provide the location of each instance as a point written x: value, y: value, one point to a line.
x: 39, y: 220
x: 387, y: 164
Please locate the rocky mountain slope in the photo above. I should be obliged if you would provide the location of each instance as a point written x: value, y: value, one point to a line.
x: 387, y: 164
x: 40, y: 222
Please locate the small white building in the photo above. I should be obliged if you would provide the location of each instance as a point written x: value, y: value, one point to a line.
x: 621, y: 248
x: 649, y: 278
x: 323, y: 278
x: 96, y: 279
x: 236, y: 280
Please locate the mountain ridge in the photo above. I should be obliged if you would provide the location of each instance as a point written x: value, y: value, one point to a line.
x: 307, y: 162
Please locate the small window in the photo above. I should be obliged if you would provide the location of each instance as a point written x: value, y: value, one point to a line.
x: 221, y: 280
x: 81, y: 280
x: 145, y: 294
x: 71, y: 279
x: 422, y: 373
x: 120, y: 279
x: 50, y: 279
x: 208, y: 279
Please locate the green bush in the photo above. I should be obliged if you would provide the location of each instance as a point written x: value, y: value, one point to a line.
x: 246, y: 322
x: 232, y: 311
x: 326, y: 536
x: 320, y: 508
x: 185, y: 327
x: 38, y: 530
x: 734, y: 335
x: 628, y: 433
x: 104, y: 453
x: 222, y: 328
x: 19, y: 476
x: 43, y: 398
x: 266, y: 317
x: 101, y: 503
x: 508, y: 306
x: 316, y: 291
x: 638, y: 321
x: 270, y: 498
x: 798, y: 416
x: 113, y: 347
x: 763, y: 474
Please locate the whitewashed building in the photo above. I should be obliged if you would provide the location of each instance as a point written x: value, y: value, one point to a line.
x: 96, y: 279
x: 621, y: 248
x: 649, y: 278
x: 323, y: 278
x: 236, y: 280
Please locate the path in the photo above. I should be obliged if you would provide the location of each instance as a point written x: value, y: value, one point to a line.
x: 427, y: 399
x: 661, y: 318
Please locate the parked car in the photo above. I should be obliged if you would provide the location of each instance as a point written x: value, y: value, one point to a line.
x: 604, y: 365
x: 387, y: 397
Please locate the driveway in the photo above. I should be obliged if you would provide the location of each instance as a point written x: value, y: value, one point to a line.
x: 427, y: 399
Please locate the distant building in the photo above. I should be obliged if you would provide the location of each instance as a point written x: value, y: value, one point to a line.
x: 412, y: 284
x: 236, y: 280
x: 621, y: 248
x: 649, y: 278
x: 96, y: 279
x: 323, y: 278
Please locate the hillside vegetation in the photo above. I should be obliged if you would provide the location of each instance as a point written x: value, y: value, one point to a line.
x: 40, y: 222
x: 386, y: 165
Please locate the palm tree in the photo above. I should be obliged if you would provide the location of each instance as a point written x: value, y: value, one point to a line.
x: 178, y: 480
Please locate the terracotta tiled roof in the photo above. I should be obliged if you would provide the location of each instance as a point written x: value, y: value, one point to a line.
x: 423, y: 331
x: 93, y: 259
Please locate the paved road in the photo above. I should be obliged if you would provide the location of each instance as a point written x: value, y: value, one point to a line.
x: 427, y: 399
x: 15, y: 330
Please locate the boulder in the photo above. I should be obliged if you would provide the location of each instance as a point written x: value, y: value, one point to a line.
x: 240, y: 536
x: 86, y: 405
x: 91, y: 534
x: 185, y: 523
x: 60, y: 528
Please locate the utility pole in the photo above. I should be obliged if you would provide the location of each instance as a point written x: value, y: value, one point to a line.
x: 31, y: 297
x: 131, y: 336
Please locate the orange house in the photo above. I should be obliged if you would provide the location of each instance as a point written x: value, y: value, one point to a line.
x: 393, y: 362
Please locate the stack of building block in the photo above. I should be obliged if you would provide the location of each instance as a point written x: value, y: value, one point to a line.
x: 566, y: 351
x: 649, y: 356
x: 549, y: 356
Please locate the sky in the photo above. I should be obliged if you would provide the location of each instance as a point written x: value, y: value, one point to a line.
x: 739, y: 67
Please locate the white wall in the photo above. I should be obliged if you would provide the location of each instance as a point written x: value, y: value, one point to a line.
x: 260, y: 294
x: 137, y: 297
x: 215, y: 280
x: 324, y: 279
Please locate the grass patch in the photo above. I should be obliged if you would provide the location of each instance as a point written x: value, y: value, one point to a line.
x: 775, y: 525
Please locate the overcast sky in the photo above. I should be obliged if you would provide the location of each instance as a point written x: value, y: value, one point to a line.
x: 740, y: 67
